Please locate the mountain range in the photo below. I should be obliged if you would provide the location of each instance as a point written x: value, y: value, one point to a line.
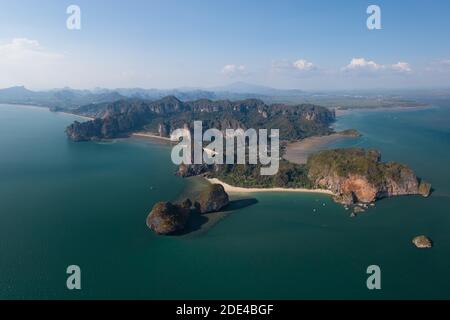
x: 68, y: 98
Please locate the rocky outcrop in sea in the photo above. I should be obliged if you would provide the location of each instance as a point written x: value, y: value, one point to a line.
x: 213, y: 199
x: 422, y: 242
x: 167, y: 218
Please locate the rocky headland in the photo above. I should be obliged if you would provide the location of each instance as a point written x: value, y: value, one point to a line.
x: 358, y: 176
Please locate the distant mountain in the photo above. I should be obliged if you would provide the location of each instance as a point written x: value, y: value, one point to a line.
x: 67, y: 98
x: 16, y: 93
x: 154, y: 94
x: 56, y: 99
x: 233, y: 91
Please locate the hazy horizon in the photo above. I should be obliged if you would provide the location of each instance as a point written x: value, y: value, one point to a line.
x: 226, y: 87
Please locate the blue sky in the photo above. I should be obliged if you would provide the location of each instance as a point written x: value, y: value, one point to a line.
x: 203, y: 43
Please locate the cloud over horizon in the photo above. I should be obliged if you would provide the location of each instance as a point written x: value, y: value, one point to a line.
x: 233, y: 70
x: 364, y: 66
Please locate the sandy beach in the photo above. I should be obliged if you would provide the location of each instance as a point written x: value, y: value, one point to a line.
x: 343, y: 112
x: 231, y: 189
x: 299, y: 151
x: 151, y: 136
x: 76, y: 115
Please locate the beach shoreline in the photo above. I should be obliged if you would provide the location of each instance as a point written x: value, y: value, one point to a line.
x: 232, y: 189
x: 151, y: 137
x: 73, y: 114
x: 299, y: 151
x: 342, y: 112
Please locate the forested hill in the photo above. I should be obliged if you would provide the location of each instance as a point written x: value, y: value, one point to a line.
x: 161, y: 117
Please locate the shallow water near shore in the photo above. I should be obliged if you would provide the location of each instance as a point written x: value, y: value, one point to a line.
x: 66, y: 203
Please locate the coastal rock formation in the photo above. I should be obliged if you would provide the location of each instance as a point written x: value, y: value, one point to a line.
x: 422, y: 242
x: 425, y: 188
x: 359, y: 176
x: 89, y: 130
x: 167, y: 218
x: 213, y: 199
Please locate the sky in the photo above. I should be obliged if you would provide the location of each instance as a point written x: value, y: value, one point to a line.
x: 295, y: 44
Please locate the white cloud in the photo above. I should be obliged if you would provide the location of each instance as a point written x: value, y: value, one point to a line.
x: 303, y: 65
x: 445, y: 62
x: 299, y: 68
x: 401, y: 67
x: 363, y: 65
x: 233, y: 70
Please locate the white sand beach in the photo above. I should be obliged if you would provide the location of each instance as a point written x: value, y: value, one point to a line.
x: 151, y: 136
x: 231, y: 189
x: 299, y: 151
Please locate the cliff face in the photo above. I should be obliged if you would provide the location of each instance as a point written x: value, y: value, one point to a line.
x: 85, y: 131
x: 163, y: 116
x: 356, y: 175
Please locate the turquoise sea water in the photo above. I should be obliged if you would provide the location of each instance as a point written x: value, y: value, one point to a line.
x: 64, y: 203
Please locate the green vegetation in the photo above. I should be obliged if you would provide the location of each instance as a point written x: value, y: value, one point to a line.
x: 162, y: 117
x: 366, y: 163
x: 344, y: 162
x: 289, y: 175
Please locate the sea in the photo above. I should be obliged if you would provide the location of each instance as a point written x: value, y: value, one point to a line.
x: 85, y: 204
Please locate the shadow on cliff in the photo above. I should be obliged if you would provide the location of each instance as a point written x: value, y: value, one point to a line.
x: 199, y: 221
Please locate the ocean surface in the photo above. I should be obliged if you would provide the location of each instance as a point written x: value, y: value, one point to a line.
x: 85, y: 204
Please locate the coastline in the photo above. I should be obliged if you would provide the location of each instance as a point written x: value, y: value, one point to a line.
x: 45, y: 108
x: 151, y: 137
x: 73, y: 114
x: 343, y: 112
x: 299, y: 151
x: 232, y: 189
